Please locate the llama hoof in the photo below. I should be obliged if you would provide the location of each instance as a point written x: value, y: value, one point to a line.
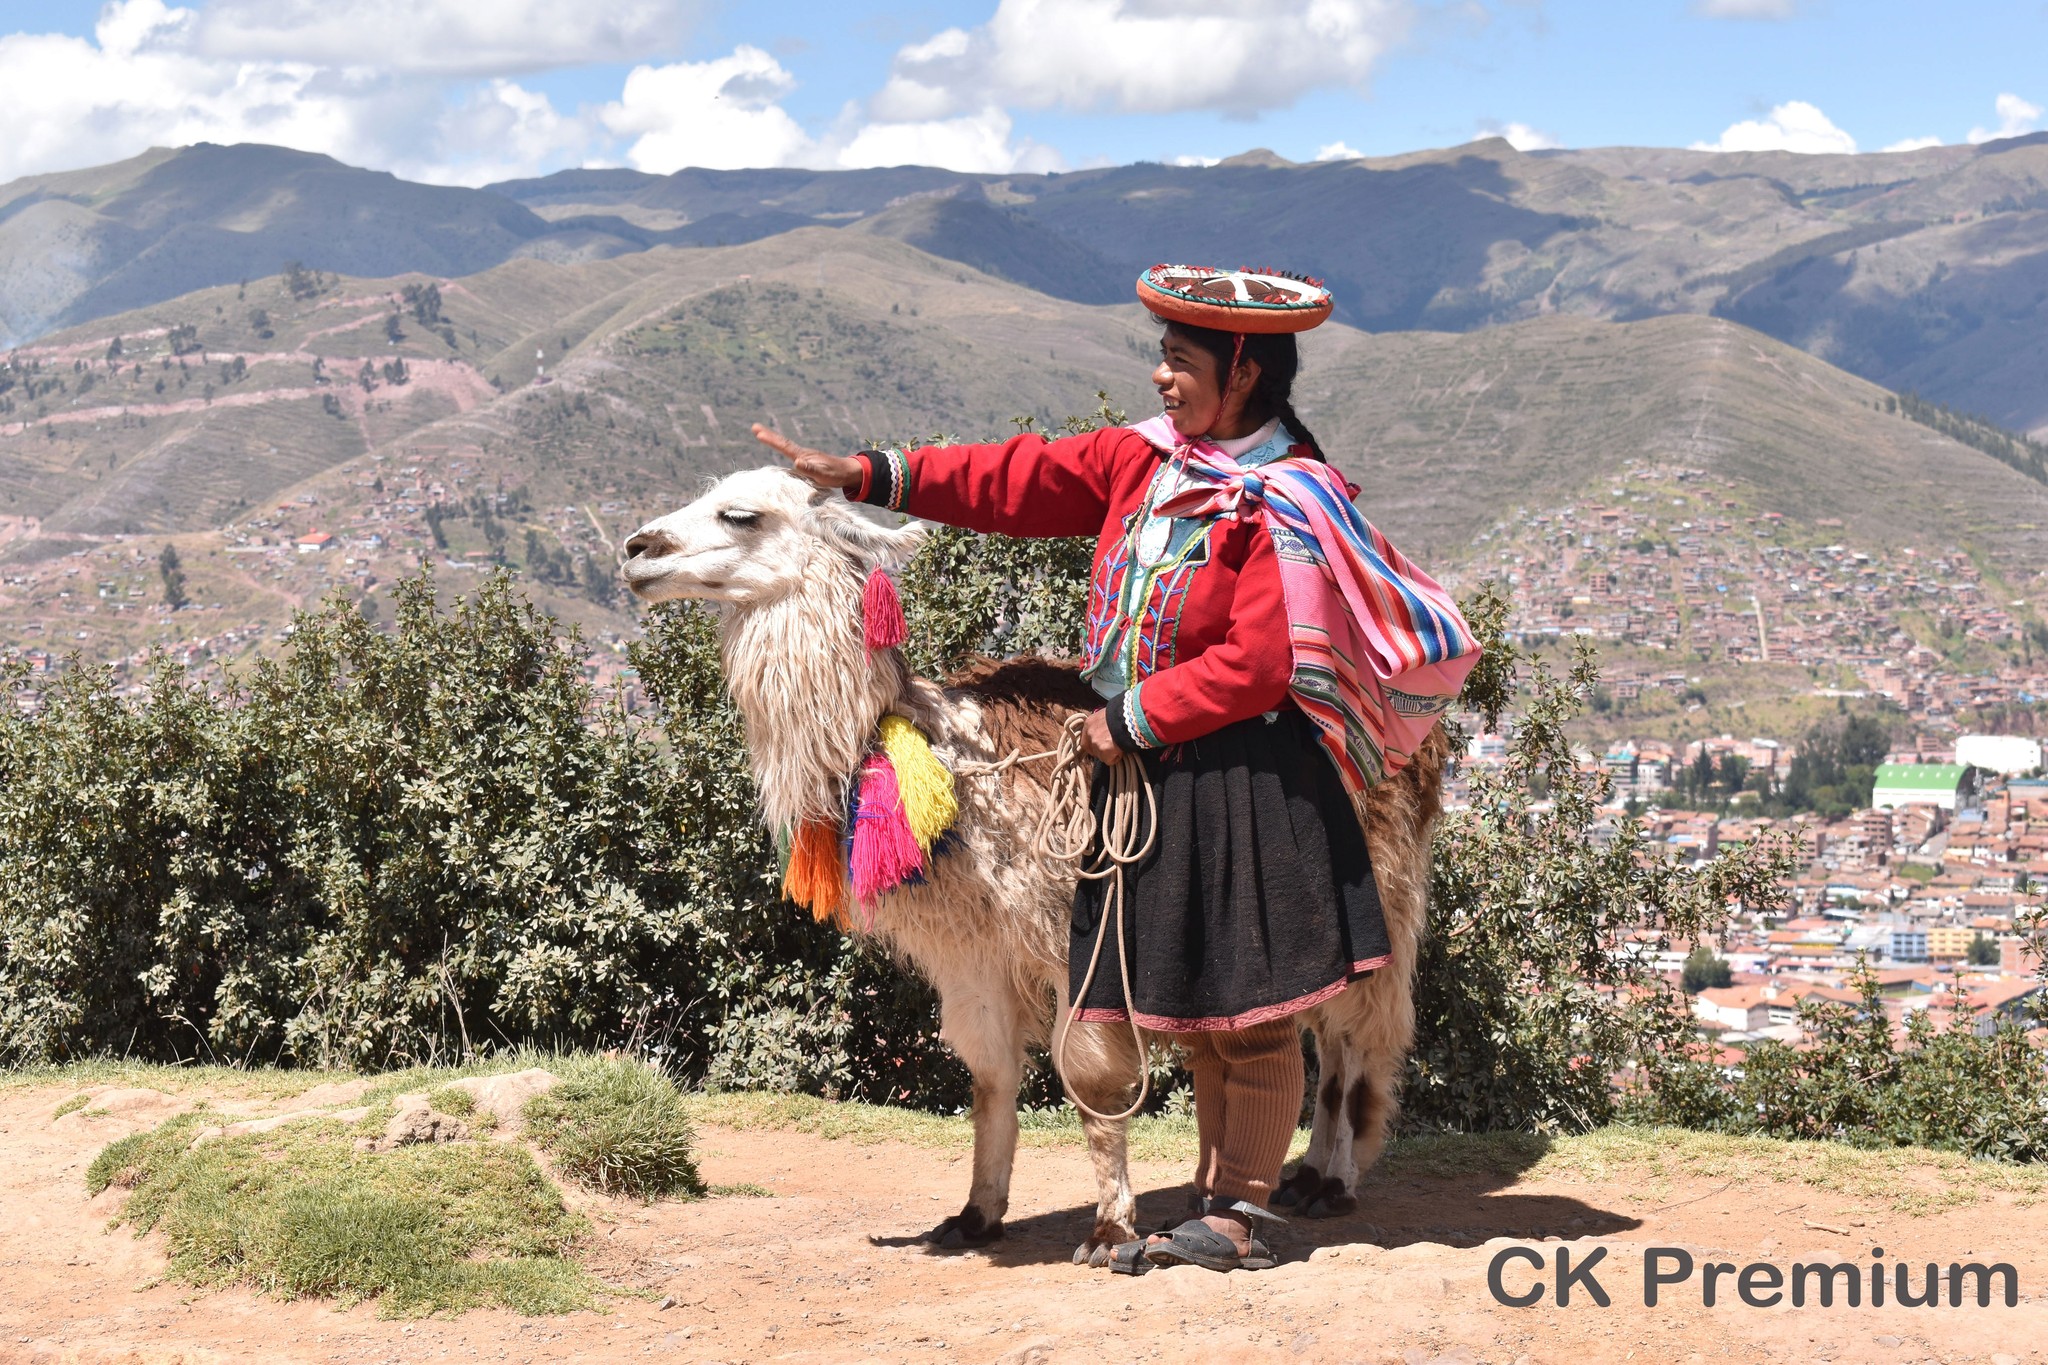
x: 1101, y: 1245
x: 1331, y: 1200
x: 1300, y: 1188
x: 964, y: 1231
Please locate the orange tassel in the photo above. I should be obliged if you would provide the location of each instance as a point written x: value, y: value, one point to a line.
x: 816, y: 877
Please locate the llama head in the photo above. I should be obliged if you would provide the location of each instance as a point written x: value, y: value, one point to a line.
x: 757, y: 537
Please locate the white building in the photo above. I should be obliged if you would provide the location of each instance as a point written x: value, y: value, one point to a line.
x: 2012, y: 755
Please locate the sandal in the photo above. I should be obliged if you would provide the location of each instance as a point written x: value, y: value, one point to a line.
x: 1196, y: 1243
x: 1128, y: 1258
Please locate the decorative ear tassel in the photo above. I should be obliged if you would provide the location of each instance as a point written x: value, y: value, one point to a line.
x: 816, y: 878
x: 881, y: 613
x: 885, y: 851
x: 923, y: 782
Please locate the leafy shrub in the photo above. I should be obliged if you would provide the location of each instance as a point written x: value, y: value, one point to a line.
x: 1534, y: 987
x: 1982, y: 1093
x: 617, y: 1126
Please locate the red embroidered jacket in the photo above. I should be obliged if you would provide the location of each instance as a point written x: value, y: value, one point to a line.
x: 1208, y: 642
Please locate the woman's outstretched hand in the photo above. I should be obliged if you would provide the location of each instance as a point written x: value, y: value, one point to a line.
x: 823, y: 471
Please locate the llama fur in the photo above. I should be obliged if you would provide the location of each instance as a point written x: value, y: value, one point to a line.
x: 784, y: 566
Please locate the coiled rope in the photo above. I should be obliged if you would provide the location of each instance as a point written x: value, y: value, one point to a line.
x: 1067, y: 830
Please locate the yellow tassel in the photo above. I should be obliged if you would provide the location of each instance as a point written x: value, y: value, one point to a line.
x: 815, y: 878
x: 922, y: 781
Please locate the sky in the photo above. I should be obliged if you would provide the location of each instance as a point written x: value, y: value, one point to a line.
x: 473, y: 91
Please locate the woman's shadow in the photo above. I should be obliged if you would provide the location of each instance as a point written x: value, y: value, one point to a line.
x: 1452, y: 1191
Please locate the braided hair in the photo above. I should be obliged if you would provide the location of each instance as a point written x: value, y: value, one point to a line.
x: 1279, y: 361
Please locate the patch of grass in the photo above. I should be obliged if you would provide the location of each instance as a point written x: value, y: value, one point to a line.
x: 617, y: 1126
x: 1164, y: 1137
x: 72, y: 1105
x: 252, y: 1083
x: 743, y: 1190
x: 451, y: 1101
x: 300, y: 1211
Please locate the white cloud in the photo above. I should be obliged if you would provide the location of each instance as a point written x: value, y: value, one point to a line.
x: 973, y: 142
x: 1746, y: 9
x: 1794, y: 126
x: 1148, y: 56
x: 492, y: 37
x: 1337, y: 151
x: 719, y: 114
x: 1912, y: 144
x: 156, y: 74
x: 501, y: 131
x: 1520, y: 136
x: 1201, y: 160
x: 2016, y: 118
x: 143, y: 80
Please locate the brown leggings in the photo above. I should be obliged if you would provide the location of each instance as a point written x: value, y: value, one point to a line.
x: 1247, y: 1102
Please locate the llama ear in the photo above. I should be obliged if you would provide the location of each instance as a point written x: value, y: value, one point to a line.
x: 869, y: 545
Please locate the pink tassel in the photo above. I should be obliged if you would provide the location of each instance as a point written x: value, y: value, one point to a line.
x: 885, y: 851
x: 881, y: 613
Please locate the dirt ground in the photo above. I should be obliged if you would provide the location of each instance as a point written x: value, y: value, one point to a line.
x: 820, y: 1270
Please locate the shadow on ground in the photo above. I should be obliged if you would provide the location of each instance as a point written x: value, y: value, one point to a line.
x: 1410, y: 1198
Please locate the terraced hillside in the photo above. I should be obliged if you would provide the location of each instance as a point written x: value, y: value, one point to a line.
x: 656, y: 362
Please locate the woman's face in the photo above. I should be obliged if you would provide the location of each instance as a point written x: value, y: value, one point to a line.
x: 1188, y: 379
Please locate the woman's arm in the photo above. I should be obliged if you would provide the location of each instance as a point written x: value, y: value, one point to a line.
x: 1245, y: 675
x: 1025, y: 486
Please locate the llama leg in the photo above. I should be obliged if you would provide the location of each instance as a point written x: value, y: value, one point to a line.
x: 1101, y: 1069
x: 1323, y: 1187
x: 985, y: 1029
x: 1369, y: 1135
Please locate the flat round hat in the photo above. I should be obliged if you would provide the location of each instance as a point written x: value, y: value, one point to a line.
x: 1234, y: 300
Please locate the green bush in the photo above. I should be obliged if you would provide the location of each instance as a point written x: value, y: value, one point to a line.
x: 1535, y: 988
x: 617, y: 1126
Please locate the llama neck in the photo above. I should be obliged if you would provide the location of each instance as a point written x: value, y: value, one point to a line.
x: 809, y: 692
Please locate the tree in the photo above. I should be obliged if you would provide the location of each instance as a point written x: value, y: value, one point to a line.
x: 393, y: 331
x: 425, y: 302
x: 1704, y: 971
x: 1983, y: 951
x: 173, y: 574
x: 300, y: 282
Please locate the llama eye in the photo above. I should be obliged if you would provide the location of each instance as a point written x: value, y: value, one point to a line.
x: 735, y: 517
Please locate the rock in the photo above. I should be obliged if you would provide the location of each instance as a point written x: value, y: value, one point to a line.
x: 275, y: 1121
x: 416, y: 1122
x: 1036, y: 1351
x: 125, y: 1102
x: 1891, y: 1341
x: 504, y: 1097
x: 2004, y: 1359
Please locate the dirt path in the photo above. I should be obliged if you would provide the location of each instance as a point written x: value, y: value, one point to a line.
x: 795, y: 1276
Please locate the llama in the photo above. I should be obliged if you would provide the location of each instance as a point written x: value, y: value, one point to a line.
x: 784, y: 566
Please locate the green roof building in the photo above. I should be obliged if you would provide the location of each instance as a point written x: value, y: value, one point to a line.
x: 1950, y: 786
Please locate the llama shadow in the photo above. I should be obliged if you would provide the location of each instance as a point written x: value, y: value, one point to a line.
x: 1456, y: 1192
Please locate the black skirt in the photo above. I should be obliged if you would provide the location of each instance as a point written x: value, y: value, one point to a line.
x: 1257, y: 900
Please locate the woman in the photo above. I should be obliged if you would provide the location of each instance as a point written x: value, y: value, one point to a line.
x: 1212, y: 639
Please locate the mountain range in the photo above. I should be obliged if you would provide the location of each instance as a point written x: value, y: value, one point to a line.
x: 1924, y: 271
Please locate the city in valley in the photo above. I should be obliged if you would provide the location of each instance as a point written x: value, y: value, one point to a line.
x: 1917, y: 815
